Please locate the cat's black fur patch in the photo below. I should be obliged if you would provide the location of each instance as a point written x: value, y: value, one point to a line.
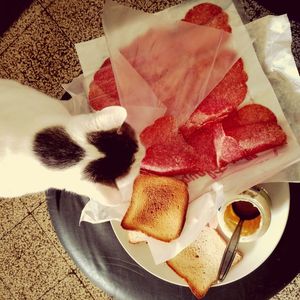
x: 56, y: 149
x: 119, y: 147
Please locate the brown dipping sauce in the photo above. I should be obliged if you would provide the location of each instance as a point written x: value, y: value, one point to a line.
x: 244, y: 210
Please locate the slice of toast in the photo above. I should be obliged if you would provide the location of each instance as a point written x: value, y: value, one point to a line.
x: 199, y: 263
x: 158, y: 207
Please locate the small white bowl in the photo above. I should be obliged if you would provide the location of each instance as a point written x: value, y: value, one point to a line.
x: 252, y: 229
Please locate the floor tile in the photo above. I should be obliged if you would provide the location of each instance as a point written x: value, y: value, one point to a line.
x: 295, y: 26
x: 291, y: 291
x: 253, y: 10
x: 96, y: 292
x: 5, y: 293
x: 150, y: 6
x: 80, y: 20
x: 12, y: 211
x: 29, y: 263
x: 45, y: 3
x: 42, y: 57
x: 26, y: 18
x: 69, y: 288
x: 3, y: 73
x: 32, y: 201
x: 42, y: 217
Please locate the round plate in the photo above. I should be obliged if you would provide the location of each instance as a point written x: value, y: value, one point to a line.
x: 254, y: 253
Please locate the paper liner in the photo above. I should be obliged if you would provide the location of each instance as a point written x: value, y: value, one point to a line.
x: 241, y: 175
x: 161, y: 62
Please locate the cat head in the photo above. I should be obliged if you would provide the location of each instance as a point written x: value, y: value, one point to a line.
x: 97, y: 149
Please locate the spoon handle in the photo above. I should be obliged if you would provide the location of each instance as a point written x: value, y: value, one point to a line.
x: 230, y: 252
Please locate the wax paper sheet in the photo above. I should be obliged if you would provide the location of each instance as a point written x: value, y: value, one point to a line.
x: 93, y: 53
x: 158, y: 63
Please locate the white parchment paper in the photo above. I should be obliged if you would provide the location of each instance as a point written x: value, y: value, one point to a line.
x: 272, y: 39
x: 272, y: 42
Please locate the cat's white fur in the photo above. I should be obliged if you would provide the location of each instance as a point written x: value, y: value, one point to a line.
x: 25, y: 111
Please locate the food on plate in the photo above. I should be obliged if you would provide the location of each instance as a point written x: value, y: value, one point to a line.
x: 156, y: 64
x: 231, y: 218
x: 198, y: 264
x: 172, y: 157
x: 217, y: 133
x: 223, y: 99
x: 163, y: 129
x: 209, y: 148
x: 208, y: 14
x: 158, y: 207
x: 103, y: 90
x: 258, y: 137
x: 249, y: 114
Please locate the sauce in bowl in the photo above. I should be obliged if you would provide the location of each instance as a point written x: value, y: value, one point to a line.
x: 246, y: 211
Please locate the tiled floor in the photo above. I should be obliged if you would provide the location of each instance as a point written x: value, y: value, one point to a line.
x: 38, y: 50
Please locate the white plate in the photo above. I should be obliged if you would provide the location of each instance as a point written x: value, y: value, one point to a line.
x: 254, y: 253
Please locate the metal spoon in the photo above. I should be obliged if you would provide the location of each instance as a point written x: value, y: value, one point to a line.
x: 245, y: 211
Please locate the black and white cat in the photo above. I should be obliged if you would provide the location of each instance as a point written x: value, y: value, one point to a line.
x: 42, y: 146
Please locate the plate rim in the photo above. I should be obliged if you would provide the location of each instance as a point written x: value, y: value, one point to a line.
x: 115, y: 224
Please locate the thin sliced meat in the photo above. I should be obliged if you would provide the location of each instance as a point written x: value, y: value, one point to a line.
x: 174, y: 157
x: 214, y: 149
x: 249, y: 114
x: 222, y: 100
x: 227, y: 148
x: 208, y: 150
x: 164, y: 77
x: 232, y: 90
x: 243, y: 134
x: 162, y: 130
x: 257, y: 137
x: 254, y: 127
x: 103, y: 91
x: 208, y: 14
x: 100, y: 102
x: 202, y: 140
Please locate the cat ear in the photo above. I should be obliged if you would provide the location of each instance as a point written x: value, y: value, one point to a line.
x: 108, y: 118
x: 111, y: 117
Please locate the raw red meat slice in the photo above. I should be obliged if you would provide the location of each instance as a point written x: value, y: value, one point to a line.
x: 222, y: 100
x: 202, y: 140
x: 98, y: 103
x: 209, y: 149
x: 244, y: 133
x: 104, y: 88
x: 103, y: 91
x: 254, y: 127
x: 230, y: 151
x: 249, y: 114
x: 257, y: 137
x: 231, y: 91
x: 159, y: 132
x: 214, y: 149
x: 174, y: 157
x: 208, y: 14
x: 227, y: 148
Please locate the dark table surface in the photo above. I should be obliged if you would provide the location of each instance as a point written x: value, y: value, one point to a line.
x: 97, y: 252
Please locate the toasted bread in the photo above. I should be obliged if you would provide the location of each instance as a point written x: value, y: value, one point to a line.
x: 199, y: 263
x: 158, y: 207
